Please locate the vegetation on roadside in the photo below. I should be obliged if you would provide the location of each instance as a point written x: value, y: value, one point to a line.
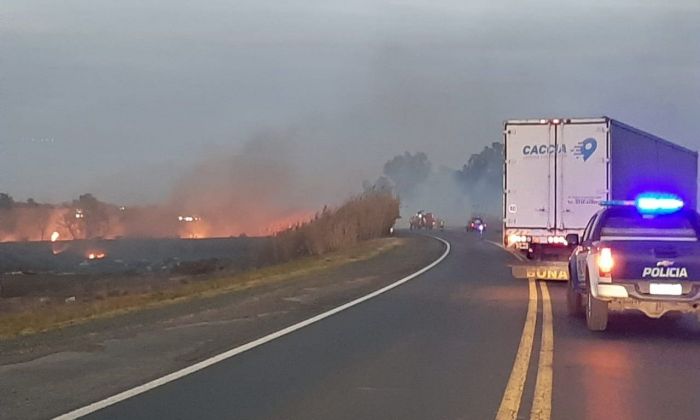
x: 367, y: 216
x: 64, y: 314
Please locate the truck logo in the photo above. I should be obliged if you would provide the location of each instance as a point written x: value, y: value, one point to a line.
x: 665, y: 272
x: 543, y: 149
x: 585, y: 148
x: 664, y: 263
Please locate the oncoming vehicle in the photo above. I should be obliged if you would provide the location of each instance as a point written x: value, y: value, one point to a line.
x: 416, y: 221
x: 430, y: 221
x: 639, y: 255
x: 476, y: 224
x: 422, y: 220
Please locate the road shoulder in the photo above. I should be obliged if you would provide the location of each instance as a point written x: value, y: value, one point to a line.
x: 51, y: 373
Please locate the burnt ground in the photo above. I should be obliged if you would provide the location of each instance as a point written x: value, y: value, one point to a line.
x: 47, y: 374
x: 127, y: 255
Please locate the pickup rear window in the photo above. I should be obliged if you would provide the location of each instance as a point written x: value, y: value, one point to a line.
x: 630, y: 225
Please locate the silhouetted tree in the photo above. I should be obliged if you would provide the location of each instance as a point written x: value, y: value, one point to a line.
x: 6, y: 201
x: 381, y: 184
x: 73, y: 224
x: 482, y: 177
x: 39, y: 215
x: 485, y: 167
x: 95, y: 215
x: 407, y: 171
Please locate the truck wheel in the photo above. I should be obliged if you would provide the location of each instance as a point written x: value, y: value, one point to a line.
x: 536, y: 253
x: 596, y: 313
x: 574, y: 303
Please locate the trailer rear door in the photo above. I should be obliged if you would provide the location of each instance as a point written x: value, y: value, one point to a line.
x: 582, y: 172
x: 529, y: 175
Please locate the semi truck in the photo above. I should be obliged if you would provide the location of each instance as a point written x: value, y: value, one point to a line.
x: 558, y: 170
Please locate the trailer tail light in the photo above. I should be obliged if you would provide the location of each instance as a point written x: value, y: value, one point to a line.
x: 557, y: 240
x: 605, y: 262
x: 514, y: 239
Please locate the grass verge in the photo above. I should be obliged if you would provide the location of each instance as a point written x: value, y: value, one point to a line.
x: 67, y: 314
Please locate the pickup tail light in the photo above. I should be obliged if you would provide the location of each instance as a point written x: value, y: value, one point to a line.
x: 605, y: 262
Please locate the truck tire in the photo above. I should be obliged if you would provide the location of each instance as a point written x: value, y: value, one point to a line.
x: 530, y: 254
x: 596, y: 313
x: 536, y: 253
x: 574, y: 303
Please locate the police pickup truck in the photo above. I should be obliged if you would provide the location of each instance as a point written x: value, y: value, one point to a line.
x: 641, y: 254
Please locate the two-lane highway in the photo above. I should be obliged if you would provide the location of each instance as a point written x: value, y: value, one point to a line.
x: 464, y: 340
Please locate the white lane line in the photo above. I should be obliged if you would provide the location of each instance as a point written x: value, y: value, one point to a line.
x: 511, y: 252
x: 245, y: 347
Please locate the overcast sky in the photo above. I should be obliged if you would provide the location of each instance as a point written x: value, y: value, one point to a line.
x: 119, y: 97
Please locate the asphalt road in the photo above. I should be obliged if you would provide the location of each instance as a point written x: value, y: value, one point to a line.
x: 463, y: 341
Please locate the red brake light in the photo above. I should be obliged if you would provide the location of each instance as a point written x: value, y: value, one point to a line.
x: 605, y: 261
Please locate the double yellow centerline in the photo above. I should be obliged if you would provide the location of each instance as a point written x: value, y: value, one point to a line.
x: 542, y: 399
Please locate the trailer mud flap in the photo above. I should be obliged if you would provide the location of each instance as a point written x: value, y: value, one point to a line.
x: 546, y: 271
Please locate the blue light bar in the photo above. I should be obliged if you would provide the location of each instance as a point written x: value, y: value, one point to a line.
x: 610, y: 203
x: 658, y: 203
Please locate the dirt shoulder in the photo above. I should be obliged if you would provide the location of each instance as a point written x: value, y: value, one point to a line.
x: 79, y: 299
x: 52, y: 372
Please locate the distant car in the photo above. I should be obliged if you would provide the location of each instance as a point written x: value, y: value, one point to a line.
x: 423, y: 220
x: 474, y: 224
x: 639, y: 255
x: 430, y: 221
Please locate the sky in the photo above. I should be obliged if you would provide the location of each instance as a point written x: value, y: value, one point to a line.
x: 122, y: 98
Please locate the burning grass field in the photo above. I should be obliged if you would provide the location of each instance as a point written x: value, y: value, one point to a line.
x: 45, y: 285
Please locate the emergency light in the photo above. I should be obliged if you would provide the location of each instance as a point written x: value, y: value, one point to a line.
x: 658, y: 203
x: 651, y: 203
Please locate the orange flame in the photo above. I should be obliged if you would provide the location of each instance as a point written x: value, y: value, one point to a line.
x: 96, y: 255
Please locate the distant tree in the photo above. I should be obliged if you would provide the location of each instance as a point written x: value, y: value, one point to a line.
x: 71, y: 223
x: 8, y: 215
x: 485, y: 167
x: 39, y: 215
x: 381, y: 184
x: 95, y: 215
x: 407, y: 171
x: 6, y: 201
x: 482, y: 177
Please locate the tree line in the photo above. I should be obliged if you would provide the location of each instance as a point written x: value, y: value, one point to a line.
x: 480, y: 178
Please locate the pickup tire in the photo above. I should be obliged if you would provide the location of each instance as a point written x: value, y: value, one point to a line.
x: 596, y: 313
x: 574, y: 302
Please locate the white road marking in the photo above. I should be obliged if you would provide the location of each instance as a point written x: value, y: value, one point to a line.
x: 83, y: 411
x: 510, y: 251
